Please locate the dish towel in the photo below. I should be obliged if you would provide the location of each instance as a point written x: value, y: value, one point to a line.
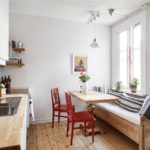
x: 31, y: 108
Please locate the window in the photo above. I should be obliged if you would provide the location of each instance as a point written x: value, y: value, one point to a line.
x: 123, y: 57
x: 130, y: 55
x: 136, y: 58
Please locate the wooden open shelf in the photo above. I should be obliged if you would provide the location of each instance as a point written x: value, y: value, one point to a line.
x: 17, y: 65
x: 19, y: 50
x: 15, y: 62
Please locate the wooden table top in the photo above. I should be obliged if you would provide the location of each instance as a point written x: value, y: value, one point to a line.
x: 93, y: 97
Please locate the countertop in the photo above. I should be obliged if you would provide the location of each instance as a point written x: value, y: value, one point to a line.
x: 11, y: 126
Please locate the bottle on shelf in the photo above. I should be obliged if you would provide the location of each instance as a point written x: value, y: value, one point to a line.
x: 2, y: 80
x: 8, y: 90
x: 6, y: 80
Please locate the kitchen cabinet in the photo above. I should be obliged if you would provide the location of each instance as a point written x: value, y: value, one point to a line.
x: 25, y: 124
x: 2, y: 62
x: 4, y: 29
x: 24, y: 133
x: 13, y: 129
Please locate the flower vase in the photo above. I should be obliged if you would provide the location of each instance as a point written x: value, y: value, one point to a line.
x: 84, y: 87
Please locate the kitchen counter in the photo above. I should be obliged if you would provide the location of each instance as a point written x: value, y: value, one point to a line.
x: 11, y: 126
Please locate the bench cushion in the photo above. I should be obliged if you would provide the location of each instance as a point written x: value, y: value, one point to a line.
x: 123, y: 113
x: 131, y: 103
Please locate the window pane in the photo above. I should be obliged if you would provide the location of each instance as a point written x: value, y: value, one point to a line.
x: 123, y: 71
x: 136, y: 72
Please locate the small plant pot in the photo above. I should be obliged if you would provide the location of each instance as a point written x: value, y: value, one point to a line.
x: 133, y: 88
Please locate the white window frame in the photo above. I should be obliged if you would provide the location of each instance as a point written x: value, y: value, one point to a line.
x: 130, y: 53
x: 116, y: 29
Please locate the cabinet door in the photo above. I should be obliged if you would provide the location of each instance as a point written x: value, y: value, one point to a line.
x: 24, y: 133
x: 4, y: 29
x: 2, y: 62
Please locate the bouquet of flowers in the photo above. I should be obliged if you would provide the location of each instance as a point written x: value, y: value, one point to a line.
x: 84, y: 77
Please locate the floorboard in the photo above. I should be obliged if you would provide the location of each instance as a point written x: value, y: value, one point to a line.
x: 43, y: 137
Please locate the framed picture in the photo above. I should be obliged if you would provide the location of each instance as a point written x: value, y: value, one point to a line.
x: 79, y: 63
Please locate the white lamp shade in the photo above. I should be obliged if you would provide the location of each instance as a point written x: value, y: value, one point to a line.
x: 94, y: 44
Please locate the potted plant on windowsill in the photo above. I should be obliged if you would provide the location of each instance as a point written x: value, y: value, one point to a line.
x: 118, y: 85
x: 133, y: 85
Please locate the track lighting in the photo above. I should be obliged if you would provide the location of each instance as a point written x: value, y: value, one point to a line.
x: 94, y: 16
x: 110, y: 11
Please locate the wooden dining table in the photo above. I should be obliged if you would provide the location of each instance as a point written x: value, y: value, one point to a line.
x: 93, y: 97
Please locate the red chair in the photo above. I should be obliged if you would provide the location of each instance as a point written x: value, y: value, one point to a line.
x: 76, y: 117
x: 56, y: 106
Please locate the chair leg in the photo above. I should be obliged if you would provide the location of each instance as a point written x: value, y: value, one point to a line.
x: 93, y: 132
x: 53, y: 119
x: 67, y: 127
x: 85, y: 127
x: 58, y: 116
x: 72, y: 130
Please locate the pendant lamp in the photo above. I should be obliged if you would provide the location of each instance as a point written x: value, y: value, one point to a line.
x: 94, y: 44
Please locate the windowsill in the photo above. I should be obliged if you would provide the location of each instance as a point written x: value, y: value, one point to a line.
x: 138, y: 93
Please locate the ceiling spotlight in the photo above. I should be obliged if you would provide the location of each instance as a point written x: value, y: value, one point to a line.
x: 110, y: 11
x: 94, y: 17
x: 97, y: 15
x: 144, y: 6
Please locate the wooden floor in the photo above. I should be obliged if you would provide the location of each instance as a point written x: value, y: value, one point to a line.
x: 43, y: 137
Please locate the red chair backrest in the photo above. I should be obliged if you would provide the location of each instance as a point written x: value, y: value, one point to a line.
x: 55, y: 97
x: 69, y: 105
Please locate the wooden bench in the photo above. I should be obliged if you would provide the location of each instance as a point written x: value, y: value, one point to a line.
x: 138, y: 130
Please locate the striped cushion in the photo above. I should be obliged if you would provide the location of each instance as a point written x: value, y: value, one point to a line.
x: 118, y: 94
x: 147, y: 113
x: 145, y: 110
x: 115, y: 93
x: 131, y: 103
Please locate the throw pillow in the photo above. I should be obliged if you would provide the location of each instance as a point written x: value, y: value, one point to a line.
x: 131, y: 103
x: 145, y: 110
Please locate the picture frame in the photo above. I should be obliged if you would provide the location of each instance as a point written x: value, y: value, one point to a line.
x: 80, y: 63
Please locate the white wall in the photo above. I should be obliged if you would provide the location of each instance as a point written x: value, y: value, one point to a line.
x: 49, y: 45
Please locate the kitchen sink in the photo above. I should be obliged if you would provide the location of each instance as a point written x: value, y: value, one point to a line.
x: 9, y: 106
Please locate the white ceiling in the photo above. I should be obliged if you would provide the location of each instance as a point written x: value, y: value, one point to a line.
x: 77, y: 10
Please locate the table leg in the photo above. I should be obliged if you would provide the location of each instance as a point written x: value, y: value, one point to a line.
x: 88, y: 130
x: 96, y: 131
